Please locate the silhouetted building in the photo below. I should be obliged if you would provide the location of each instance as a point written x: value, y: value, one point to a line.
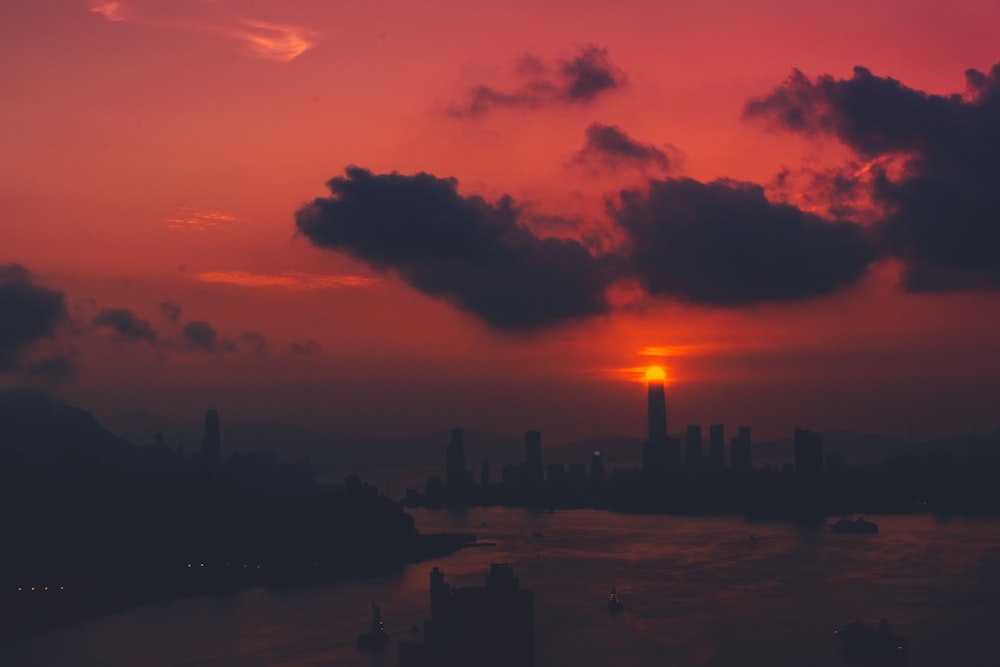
x: 489, y: 627
x: 456, y: 476
x: 484, y: 473
x: 211, y: 442
x: 740, y: 451
x: 533, y: 458
x: 556, y: 472
x: 717, y: 445
x: 808, y: 453
x: 577, y: 472
x: 656, y: 412
x: 655, y: 455
x: 692, y: 445
x: 597, y: 466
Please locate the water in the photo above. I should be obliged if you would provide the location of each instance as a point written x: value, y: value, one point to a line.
x: 696, y: 592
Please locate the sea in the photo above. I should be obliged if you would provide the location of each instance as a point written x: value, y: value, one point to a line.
x: 696, y: 591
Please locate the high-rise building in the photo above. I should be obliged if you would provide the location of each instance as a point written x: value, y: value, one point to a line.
x: 456, y: 474
x: 740, y: 452
x: 211, y: 442
x: 533, y: 458
x: 484, y: 473
x: 490, y: 627
x: 717, y: 445
x: 654, y: 450
x: 692, y: 445
x: 808, y: 453
x: 656, y: 412
x: 597, y: 466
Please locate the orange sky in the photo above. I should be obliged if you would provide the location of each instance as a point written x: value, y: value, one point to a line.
x: 159, y: 151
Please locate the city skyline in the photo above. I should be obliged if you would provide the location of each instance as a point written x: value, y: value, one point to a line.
x: 378, y: 222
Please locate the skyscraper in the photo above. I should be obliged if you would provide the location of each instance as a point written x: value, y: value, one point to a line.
x: 455, y: 454
x: 211, y: 442
x: 656, y: 412
x: 692, y: 445
x: 717, y: 445
x: 534, y: 471
x: 654, y: 450
x: 740, y: 452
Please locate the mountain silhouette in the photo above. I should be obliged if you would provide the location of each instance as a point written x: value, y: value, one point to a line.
x: 42, y: 428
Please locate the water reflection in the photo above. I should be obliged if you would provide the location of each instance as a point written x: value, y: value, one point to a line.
x: 695, y: 592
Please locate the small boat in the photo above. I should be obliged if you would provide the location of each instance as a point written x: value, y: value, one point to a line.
x: 614, y: 602
x: 378, y: 638
x: 871, y: 640
x: 859, y: 526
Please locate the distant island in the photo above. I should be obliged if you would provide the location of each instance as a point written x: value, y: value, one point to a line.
x: 93, y: 524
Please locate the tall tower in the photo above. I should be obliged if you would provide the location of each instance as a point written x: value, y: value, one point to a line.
x: 654, y: 450
x: 211, y: 442
x: 455, y: 456
x: 740, y: 453
x: 656, y: 411
x: 717, y: 445
x: 692, y: 446
x: 534, y: 471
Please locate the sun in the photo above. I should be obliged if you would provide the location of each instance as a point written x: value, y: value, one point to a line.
x: 655, y: 374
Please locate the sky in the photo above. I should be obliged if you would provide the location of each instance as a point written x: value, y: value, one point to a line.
x: 343, y: 219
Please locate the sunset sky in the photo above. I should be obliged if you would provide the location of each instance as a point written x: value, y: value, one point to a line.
x: 386, y: 218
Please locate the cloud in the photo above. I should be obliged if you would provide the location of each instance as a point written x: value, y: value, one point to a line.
x: 306, y: 348
x: 28, y: 313
x: 610, y: 146
x: 193, y: 219
x: 724, y: 244
x: 52, y: 368
x: 287, y: 279
x: 125, y: 325
x: 941, y: 208
x: 536, y: 83
x: 170, y: 310
x: 223, y: 18
x: 202, y: 336
x: 255, y: 341
x: 466, y: 250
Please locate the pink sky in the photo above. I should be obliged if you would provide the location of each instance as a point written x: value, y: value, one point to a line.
x: 159, y: 151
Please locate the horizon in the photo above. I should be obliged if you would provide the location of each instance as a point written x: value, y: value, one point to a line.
x: 384, y: 222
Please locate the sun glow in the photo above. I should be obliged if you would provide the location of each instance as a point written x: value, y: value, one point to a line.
x: 655, y: 374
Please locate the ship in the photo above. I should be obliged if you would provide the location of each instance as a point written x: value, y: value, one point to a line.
x: 614, y: 602
x: 858, y: 526
x: 378, y: 638
x: 871, y: 640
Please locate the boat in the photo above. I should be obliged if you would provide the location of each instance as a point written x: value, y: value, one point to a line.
x: 858, y: 526
x: 873, y: 640
x: 614, y: 602
x: 378, y: 638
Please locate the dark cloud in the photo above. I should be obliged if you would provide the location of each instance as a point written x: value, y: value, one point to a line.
x: 125, y: 324
x: 28, y: 313
x: 464, y: 249
x: 52, y: 368
x: 609, y: 145
x: 201, y: 335
x: 306, y: 348
x: 942, y: 210
x: 723, y: 243
x: 255, y: 341
x: 578, y: 80
x: 170, y: 310
x: 589, y: 74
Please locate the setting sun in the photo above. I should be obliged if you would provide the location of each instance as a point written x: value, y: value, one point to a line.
x: 655, y: 374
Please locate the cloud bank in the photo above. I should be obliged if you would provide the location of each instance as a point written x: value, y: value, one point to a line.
x: 942, y: 211
x: 466, y: 250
